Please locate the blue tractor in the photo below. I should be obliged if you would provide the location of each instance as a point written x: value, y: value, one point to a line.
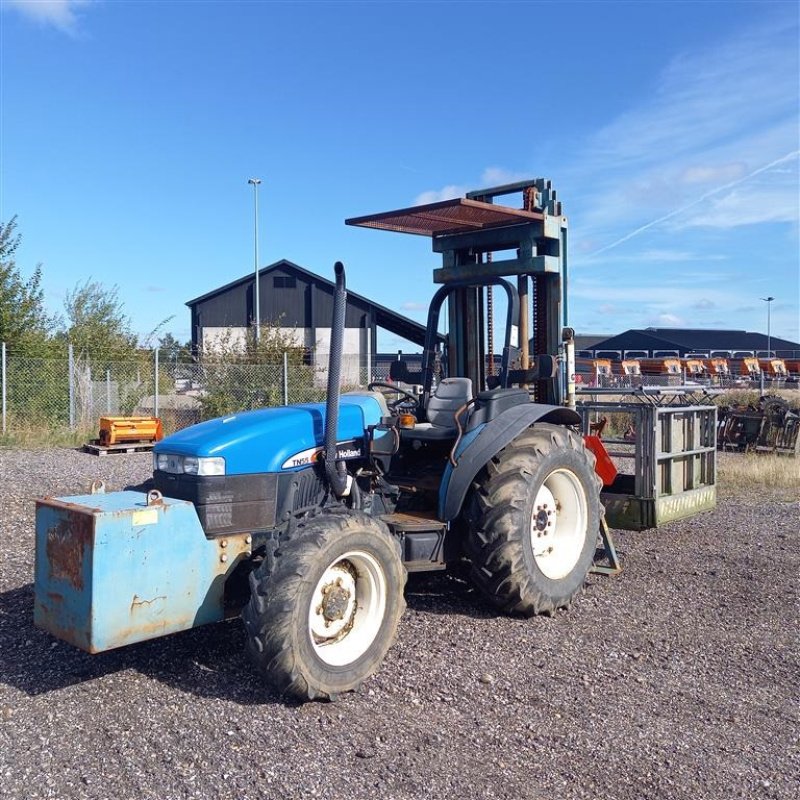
x: 308, y: 518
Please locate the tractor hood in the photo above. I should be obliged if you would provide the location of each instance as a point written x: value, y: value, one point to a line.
x: 269, y: 439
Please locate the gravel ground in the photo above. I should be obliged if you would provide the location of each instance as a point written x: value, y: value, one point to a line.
x: 676, y: 679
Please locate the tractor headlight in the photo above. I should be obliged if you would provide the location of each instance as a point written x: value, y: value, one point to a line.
x: 210, y: 466
x: 188, y: 465
x: 203, y: 466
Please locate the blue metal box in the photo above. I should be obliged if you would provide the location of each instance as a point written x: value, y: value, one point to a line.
x: 112, y: 569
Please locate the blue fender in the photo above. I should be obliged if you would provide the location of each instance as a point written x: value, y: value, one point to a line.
x: 479, y: 446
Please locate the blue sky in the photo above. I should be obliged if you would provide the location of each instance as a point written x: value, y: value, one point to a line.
x: 129, y: 130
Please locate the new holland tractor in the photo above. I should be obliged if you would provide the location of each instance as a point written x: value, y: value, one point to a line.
x: 308, y: 518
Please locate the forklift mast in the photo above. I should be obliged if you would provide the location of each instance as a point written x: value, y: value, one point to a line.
x: 469, y: 232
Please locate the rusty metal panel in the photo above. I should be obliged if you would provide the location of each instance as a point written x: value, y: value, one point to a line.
x: 449, y: 216
x: 112, y: 569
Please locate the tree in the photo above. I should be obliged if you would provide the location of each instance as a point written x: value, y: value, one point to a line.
x: 272, y: 342
x: 24, y: 323
x: 267, y: 348
x: 97, y: 325
x: 240, y: 373
x: 173, y: 350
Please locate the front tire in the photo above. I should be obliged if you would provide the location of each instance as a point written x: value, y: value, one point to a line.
x: 322, y: 618
x: 533, y: 517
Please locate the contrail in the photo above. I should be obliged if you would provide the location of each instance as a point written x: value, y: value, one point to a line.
x: 781, y: 160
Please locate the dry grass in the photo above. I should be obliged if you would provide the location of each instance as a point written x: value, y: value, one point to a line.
x: 29, y: 436
x: 746, y: 397
x: 762, y: 473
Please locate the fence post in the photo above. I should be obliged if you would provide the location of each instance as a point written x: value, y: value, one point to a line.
x: 71, y: 368
x: 3, y: 378
x: 286, y: 379
x: 108, y: 391
x: 155, y: 385
x: 88, y: 402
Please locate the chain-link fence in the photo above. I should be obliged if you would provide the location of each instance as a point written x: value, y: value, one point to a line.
x: 684, y: 378
x: 71, y: 393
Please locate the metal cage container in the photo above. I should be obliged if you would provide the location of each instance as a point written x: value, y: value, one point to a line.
x: 664, y: 447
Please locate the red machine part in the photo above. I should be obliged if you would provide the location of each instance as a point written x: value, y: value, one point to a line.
x: 604, y: 466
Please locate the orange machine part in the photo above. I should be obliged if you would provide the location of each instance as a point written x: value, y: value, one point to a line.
x: 695, y: 366
x: 602, y: 366
x: 118, y: 430
x: 604, y: 466
x: 774, y: 366
x: 750, y: 366
x: 719, y: 366
x: 631, y: 366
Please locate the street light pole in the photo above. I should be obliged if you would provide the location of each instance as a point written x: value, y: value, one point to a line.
x: 768, y: 301
x: 257, y: 300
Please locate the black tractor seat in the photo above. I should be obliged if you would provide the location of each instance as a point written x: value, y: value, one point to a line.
x: 450, y: 395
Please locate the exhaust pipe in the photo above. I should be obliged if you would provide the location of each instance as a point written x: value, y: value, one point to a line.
x: 338, y: 479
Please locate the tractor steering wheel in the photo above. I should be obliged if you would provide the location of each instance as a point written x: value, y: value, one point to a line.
x: 406, y: 396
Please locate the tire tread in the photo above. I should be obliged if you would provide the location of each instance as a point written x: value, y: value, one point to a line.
x: 277, y: 589
x: 496, y: 521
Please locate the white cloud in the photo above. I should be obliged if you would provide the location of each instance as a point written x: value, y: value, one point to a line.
x: 667, y: 320
x: 708, y: 173
x: 60, y: 14
x: 491, y: 176
x: 664, y: 296
x: 412, y: 306
x: 650, y: 256
x: 710, y: 95
x: 766, y: 213
x: 704, y: 304
x: 437, y: 195
x: 718, y: 118
x: 745, y: 206
x: 664, y: 255
x: 499, y: 176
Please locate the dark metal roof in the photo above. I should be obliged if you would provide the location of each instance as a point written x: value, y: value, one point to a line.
x: 692, y: 339
x: 384, y: 317
x: 446, y: 217
x: 586, y: 341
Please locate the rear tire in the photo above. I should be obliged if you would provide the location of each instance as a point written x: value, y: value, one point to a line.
x: 533, y: 517
x: 322, y: 618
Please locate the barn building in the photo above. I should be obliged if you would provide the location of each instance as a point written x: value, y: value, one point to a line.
x: 300, y: 303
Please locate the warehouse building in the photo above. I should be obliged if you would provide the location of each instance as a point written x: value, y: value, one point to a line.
x: 300, y: 303
x: 682, y: 342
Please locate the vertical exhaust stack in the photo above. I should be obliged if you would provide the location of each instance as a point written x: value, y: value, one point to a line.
x: 338, y: 479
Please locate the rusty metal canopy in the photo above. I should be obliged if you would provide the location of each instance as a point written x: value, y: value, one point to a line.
x: 447, y: 217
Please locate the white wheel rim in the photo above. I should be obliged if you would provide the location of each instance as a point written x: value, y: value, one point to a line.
x: 558, y: 523
x: 347, y: 608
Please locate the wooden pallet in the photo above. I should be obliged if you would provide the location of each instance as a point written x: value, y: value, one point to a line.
x: 95, y: 448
